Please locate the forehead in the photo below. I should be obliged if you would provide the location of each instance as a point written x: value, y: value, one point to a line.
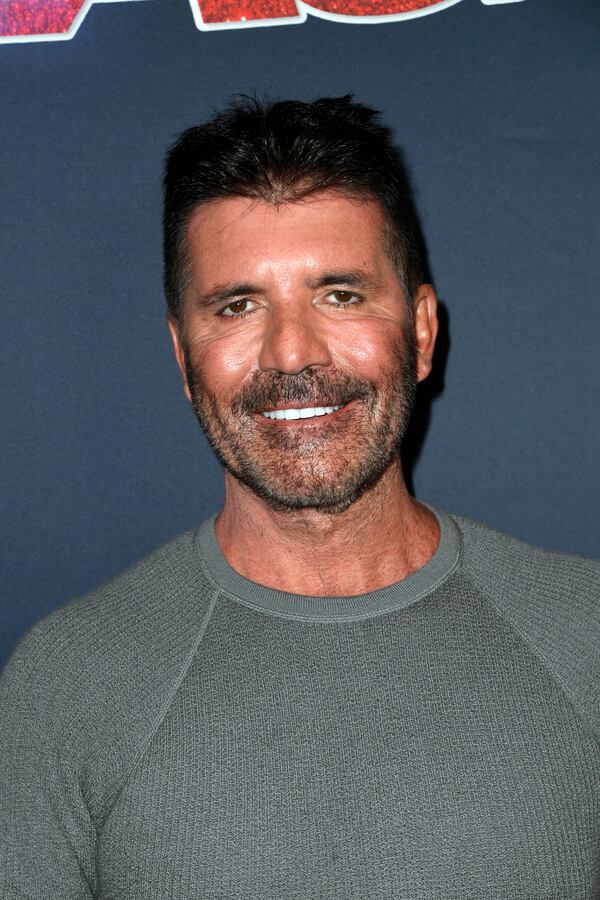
x: 228, y: 237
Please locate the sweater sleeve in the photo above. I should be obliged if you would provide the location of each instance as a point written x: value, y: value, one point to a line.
x: 47, y: 836
x: 552, y: 600
x: 80, y: 697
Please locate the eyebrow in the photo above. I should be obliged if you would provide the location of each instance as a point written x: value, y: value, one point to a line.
x: 351, y: 277
x: 227, y: 291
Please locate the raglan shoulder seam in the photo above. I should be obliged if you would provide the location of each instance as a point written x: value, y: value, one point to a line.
x: 161, y: 715
x: 580, y: 710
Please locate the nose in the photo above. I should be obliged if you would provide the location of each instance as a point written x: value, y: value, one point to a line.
x: 292, y: 342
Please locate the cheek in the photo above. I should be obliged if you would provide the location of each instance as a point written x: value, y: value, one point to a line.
x: 367, y: 347
x: 224, y: 361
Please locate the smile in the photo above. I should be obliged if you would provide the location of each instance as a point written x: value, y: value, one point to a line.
x: 307, y: 412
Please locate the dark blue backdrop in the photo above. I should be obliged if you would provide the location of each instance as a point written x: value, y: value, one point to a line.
x: 497, y: 110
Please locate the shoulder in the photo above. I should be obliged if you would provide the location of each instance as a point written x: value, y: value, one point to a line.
x: 516, y: 572
x: 551, y: 599
x: 112, y: 656
x: 136, y: 608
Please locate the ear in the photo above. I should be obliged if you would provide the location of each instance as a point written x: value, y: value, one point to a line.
x: 425, y: 323
x: 177, y: 339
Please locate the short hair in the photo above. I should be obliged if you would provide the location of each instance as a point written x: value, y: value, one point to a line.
x: 281, y: 152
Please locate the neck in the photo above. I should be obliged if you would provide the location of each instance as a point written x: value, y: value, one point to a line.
x: 381, y: 538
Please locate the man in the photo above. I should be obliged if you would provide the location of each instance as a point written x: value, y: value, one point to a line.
x: 329, y: 690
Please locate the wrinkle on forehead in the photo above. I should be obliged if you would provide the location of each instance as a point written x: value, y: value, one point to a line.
x: 246, y: 206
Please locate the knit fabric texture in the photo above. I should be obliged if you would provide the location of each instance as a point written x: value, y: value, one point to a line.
x: 186, y: 733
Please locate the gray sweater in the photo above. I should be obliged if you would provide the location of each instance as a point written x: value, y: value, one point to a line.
x: 185, y: 733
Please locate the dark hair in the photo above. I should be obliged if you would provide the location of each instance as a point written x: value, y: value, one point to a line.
x: 282, y: 151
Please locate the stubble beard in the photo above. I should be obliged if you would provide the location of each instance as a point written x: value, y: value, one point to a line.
x: 325, y: 467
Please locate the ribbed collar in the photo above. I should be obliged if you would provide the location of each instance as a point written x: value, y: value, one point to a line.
x: 307, y: 608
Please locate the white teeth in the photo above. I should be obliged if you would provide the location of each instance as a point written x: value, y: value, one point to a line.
x: 308, y: 412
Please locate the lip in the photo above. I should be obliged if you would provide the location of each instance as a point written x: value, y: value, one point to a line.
x: 297, y: 423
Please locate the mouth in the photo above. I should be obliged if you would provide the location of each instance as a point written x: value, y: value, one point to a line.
x: 299, y: 413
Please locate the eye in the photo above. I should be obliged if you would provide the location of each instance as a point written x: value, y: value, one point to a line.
x: 238, y: 308
x: 343, y: 298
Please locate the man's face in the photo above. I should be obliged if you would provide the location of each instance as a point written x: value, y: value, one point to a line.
x: 297, y: 347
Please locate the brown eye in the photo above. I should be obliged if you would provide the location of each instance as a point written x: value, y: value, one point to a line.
x: 237, y: 308
x: 342, y: 298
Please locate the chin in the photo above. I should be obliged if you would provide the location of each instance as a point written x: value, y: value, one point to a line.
x: 332, y: 496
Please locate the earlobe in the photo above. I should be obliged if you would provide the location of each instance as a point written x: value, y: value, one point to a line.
x: 177, y: 340
x: 425, y: 323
